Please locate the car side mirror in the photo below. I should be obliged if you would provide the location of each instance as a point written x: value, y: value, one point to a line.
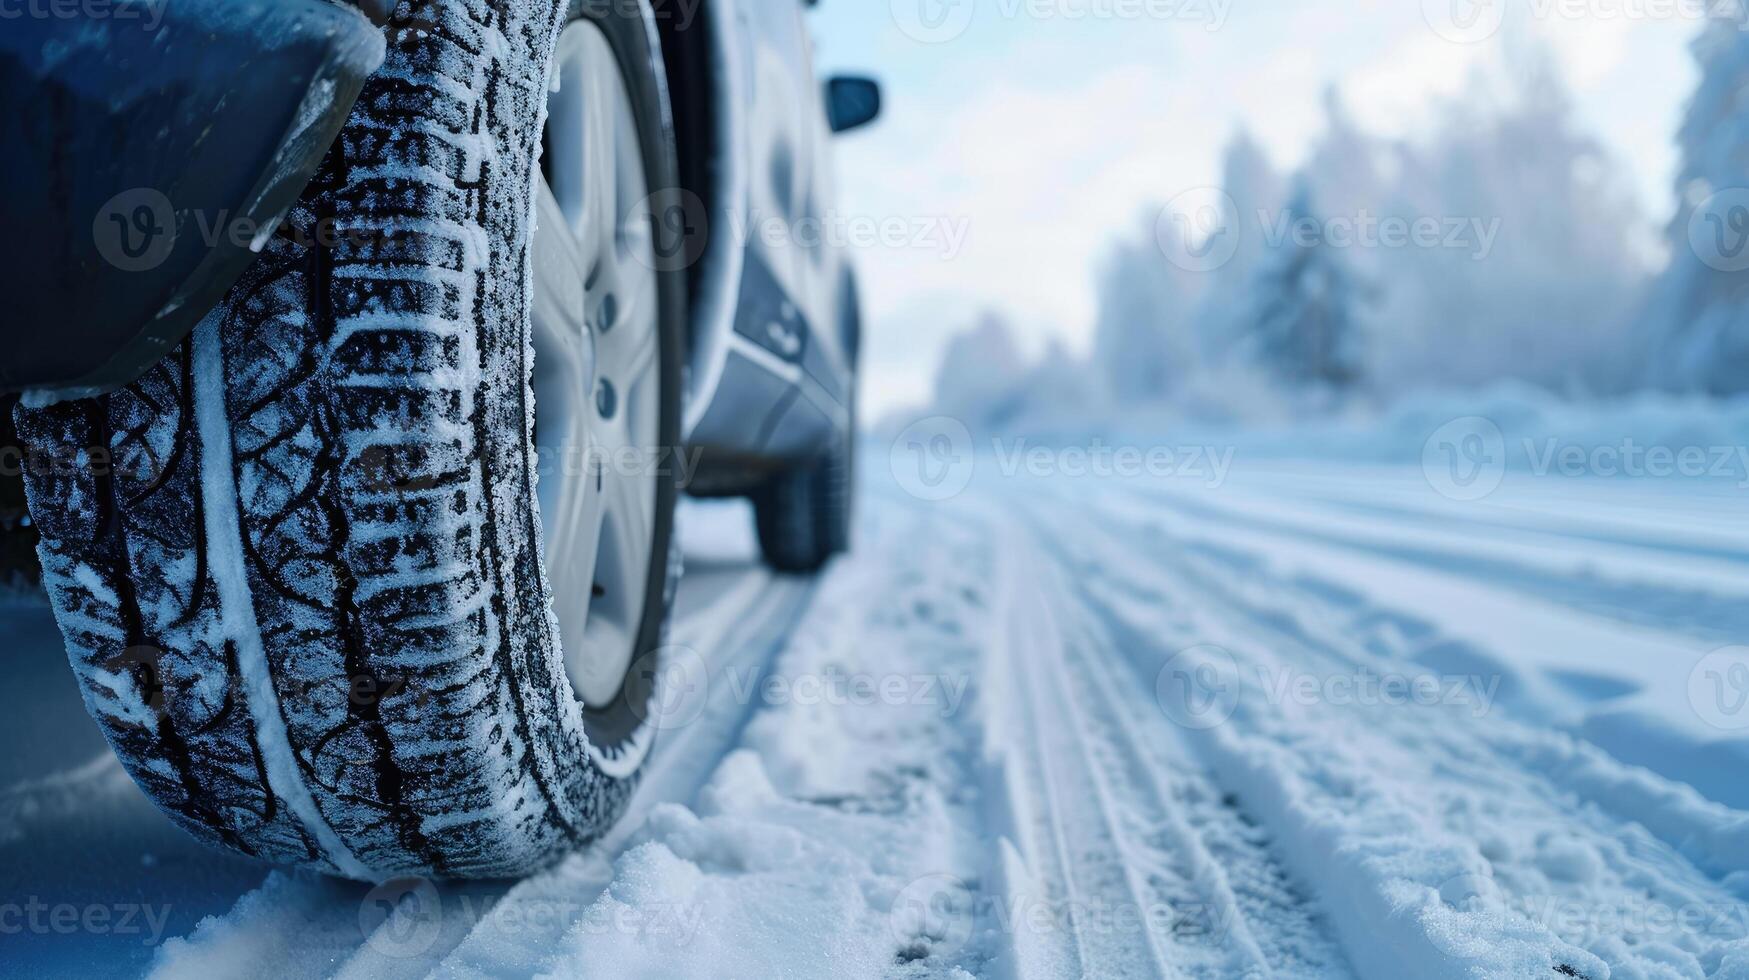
x: 852, y: 102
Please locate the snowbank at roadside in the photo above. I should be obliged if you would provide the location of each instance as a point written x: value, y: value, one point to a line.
x: 1530, y: 429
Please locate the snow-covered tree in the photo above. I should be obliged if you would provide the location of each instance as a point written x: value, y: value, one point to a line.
x: 1058, y: 389
x: 1345, y: 168
x: 1696, y: 331
x: 1536, y: 270
x: 1142, y: 339
x: 980, y: 373
x: 1306, y: 324
x: 1248, y: 178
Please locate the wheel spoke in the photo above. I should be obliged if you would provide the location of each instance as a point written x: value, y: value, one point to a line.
x: 599, y: 161
x: 561, y: 263
x: 629, y: 523
x: 596, y: 368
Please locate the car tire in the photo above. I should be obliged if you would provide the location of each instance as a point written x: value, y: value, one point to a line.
x: 803, y: 515
x: 304, y: 594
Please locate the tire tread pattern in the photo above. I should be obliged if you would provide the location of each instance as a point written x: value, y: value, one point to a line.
x: 803, y: 514
x: 370, y: 382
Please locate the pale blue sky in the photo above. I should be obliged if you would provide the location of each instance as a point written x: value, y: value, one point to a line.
x: 1044, y: 128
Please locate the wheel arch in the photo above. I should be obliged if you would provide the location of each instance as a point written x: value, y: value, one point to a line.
x: 703, y: 65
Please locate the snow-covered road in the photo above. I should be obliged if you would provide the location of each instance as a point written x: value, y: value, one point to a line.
x: 1315, y: 721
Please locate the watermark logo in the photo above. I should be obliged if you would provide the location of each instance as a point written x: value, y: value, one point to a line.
x: 679, y: 226
x: 1718, y: 231
x: 1464, y: 21
x: 401, y: 918
x: 1718, y: 689
x: 1199, y: 229
x: 135, y: 231
x: 933, y: 460
x: 933, y: 21
x: 1465, y: 459
x: 1199, y: 688
x: 669, y: 688
x: 933, y: 915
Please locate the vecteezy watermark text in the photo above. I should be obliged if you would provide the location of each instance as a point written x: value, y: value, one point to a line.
x: 837, y: 688
x: 1203, y: 228
x: 941, y: 21
x: 936, y: 458
x: 137, y: 230
x: 1552, y: 457
x: 1474, y: 21
x: 403, y: 918
x: 35, y: 917
x: 1467, y: 459
x: 1201, y: 687
x: 1101, y: 460
x: 944, y: 235
x: 149, y: 13
x: 1366, y: 230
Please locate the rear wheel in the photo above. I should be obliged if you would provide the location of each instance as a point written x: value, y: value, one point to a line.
x: 377, y: 582
x: 803, y: 515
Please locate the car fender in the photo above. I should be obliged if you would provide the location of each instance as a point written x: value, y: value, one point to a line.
x: 149, y: 158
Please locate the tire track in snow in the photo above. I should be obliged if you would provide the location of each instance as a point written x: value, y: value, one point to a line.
x: 1109, y: 816
x: 1687, y: 524
x: 1540, y: 857
x: 1334, y: 603
x: 1079, y: 854
x: 1652, y: 588
x: 1256, y: 921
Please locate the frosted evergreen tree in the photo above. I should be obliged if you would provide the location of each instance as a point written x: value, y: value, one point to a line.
x: 1697, y: 326
x: 1306, y: 323
x: 1142, y: 342
x: 1344, y: 169
x: 1537, y: 269
x: 1250, y: 180
x: 1057, y: 390
x: 980, y: 374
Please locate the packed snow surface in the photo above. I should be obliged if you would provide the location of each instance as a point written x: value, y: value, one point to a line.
x: 1310, y: 719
